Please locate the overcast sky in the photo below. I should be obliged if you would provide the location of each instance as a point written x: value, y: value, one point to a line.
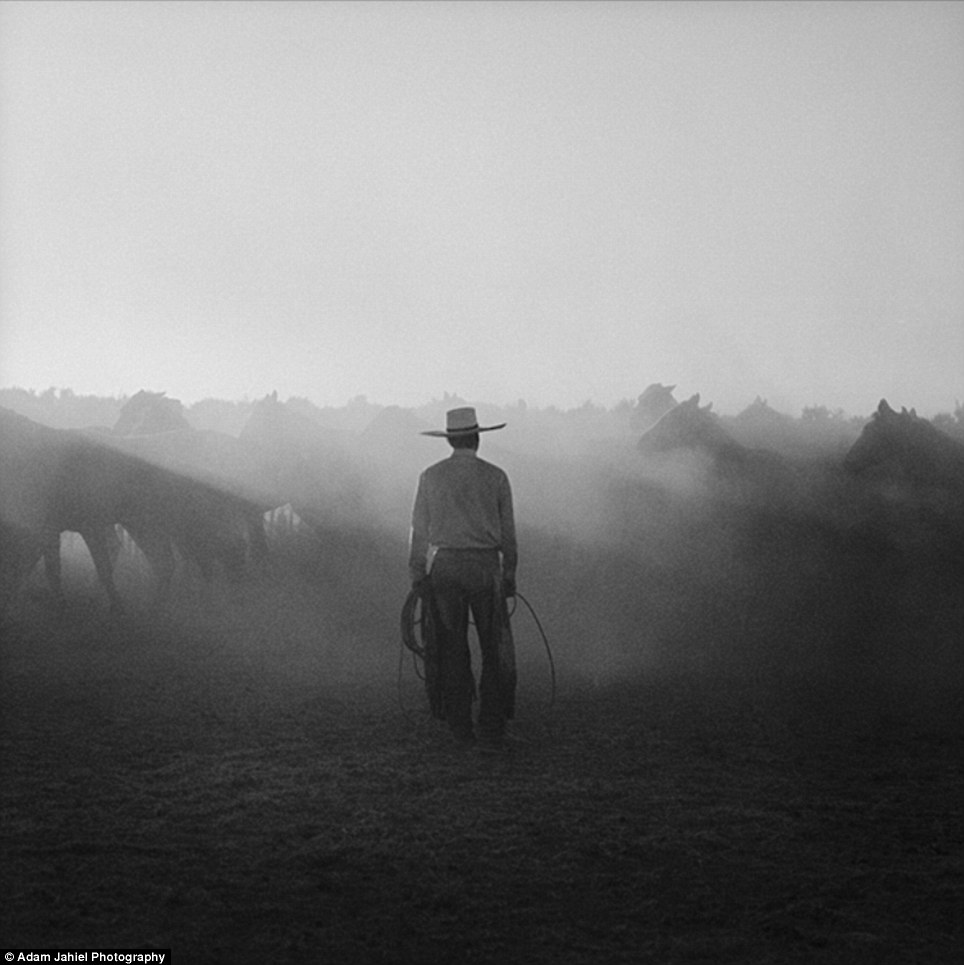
x: 554, y: 201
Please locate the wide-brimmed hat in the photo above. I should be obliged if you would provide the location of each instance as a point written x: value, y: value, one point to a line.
x: 461, y: 422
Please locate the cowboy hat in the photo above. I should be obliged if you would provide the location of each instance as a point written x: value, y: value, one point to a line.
x: 461, y: 422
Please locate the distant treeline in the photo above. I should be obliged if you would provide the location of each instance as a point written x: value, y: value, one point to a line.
x: 817, y: 426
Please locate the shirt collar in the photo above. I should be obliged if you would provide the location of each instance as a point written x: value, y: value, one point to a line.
x: 463, y: 453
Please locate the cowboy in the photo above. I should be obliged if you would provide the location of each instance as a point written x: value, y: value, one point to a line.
x: 463, y: 551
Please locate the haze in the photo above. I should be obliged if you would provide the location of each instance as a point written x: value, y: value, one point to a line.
x: 558, y: 202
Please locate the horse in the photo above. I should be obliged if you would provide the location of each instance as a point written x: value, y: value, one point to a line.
x: 909, y: 476
x: 55, y: 480
x: 694, y: 451
x: 692, y: 428
x: 20, y: 549
x: 155, y: 428
x: 656, y: 400
x: 906, y: 450
x: 760, y: 412
x: 914, y: 469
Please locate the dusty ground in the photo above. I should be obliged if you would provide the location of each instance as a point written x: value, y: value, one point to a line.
x: 255, y: 781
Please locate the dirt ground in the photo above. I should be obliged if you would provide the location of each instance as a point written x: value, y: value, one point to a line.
x: 257, y: 779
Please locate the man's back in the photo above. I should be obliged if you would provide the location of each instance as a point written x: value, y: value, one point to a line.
x: 463, y: 502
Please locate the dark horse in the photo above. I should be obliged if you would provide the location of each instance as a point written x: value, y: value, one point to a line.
x: 915, y: 471
x: 54, y: 480
x: 903, y: 449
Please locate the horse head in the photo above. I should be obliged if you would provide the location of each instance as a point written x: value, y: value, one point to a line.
x: 652, y: 405
x: 904, y: 446
x: 687, y: 426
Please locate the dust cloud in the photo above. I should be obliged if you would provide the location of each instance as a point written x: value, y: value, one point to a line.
x: 778, y: 572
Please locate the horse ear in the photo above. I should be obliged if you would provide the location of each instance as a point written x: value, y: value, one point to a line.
x: 274, y: 396
x: 707, y: 407
x: 693, y: 400
x: 884, y: 408
x: 913, y: 412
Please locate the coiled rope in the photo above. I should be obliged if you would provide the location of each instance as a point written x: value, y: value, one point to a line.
x: 413, y: 628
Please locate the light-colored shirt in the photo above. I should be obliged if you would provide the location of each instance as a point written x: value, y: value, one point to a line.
x: 463, y: 502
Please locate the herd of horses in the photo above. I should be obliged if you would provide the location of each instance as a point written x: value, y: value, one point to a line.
x: 896, y: 451
x: 209, y: 499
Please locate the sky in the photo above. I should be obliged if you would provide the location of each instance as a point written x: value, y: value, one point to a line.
x: 552, y: 201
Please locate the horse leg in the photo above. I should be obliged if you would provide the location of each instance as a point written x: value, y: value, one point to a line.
x: 115, y: 543
x: 101, y: 545
x: 257, y: 537
x: 156, y: 547
x: 50, y: 550
x: 234, y: 558
x: 20, y: 551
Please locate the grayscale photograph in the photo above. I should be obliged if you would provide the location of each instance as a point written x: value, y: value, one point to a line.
x: 482, y: 482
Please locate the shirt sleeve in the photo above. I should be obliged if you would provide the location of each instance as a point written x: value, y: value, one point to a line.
x: 510, y: 552
x: 418, y: 538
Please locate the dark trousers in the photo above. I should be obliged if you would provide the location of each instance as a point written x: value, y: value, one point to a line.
x: 464, y: 583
